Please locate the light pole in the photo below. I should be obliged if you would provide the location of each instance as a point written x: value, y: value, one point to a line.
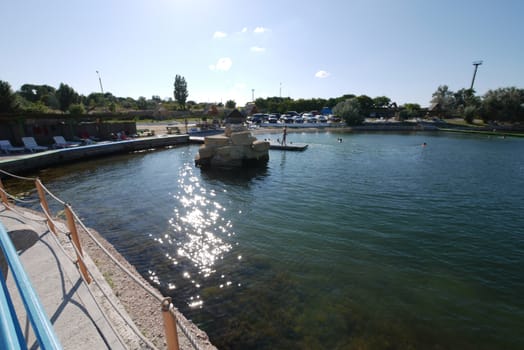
x: 253, y: 95
x: 100, y: 81
x: 280, y: 90
x: 476, y: 64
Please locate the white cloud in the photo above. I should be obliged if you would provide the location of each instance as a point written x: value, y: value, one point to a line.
x: 257, y: 49
x: 244, y: 30
x: 223, y: 64
x: 260, y: 30
x: 219, y: 35
x: 321, y: 74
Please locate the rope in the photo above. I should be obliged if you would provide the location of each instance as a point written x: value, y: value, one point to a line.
x: 52, y: 195
x: 18, y: 199
x: 122, y: 267
x: 108, y: 298
x: 17, y: 177
x: 12, y: 208
x: 86, y: 284
x: 186, y: 332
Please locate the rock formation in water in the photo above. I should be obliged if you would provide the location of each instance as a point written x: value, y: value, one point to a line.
x: 235, y: 148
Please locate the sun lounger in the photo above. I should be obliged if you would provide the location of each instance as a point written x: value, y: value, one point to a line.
x: 6, y: 147
x: 60, y: 142
x: 31, y: 145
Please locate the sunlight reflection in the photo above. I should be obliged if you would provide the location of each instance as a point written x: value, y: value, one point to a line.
x: 199, y: 231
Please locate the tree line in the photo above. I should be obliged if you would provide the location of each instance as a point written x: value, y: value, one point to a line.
x: 502, y: 104
x: 47, y: 99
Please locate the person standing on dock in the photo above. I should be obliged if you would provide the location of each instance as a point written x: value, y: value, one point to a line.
x: 284, y: 136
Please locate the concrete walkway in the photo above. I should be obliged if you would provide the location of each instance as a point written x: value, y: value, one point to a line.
x: 77, y: 320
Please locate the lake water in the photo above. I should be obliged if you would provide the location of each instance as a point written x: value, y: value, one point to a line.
x: 370, y: 243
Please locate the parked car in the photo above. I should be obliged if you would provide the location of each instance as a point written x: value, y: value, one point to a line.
x: 334, y: 118
x: 309, y: 118
x: 286, y: 118
x: 272, y: 118
x: 321, y: 118
x: 298, y: 119
x: 257, y: 118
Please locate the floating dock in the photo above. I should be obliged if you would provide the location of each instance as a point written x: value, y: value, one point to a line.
x: 272, y: 145
x: 289, y: 147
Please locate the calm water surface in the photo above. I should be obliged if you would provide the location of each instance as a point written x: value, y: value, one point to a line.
x: 372, y: 243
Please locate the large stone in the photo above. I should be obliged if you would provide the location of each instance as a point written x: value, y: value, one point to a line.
x: 242, y: 138
x: 260, y: 146
x: 239, y: 149
x: 216, y: 140
x: 206, y: 152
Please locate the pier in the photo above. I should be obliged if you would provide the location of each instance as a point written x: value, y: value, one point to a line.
x: 33, y: 161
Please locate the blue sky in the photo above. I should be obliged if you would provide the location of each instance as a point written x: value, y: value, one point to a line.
x: 403, y: 49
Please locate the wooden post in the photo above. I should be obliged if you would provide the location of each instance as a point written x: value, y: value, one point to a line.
x: 76, y: 241
x: 3, y: 195
x: 170, y: 324
x: 43, y: 201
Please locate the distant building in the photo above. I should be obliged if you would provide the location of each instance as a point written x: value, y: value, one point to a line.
x: 326, y: 111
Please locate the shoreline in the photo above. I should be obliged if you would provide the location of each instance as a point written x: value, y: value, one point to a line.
x: 143, y: 308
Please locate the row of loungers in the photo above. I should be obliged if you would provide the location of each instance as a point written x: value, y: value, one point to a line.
x: 31, y: 145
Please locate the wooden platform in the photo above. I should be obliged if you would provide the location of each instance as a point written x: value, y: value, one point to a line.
x: 288, y: 147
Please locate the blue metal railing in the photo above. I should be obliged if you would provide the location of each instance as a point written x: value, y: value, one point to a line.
x: 9, y: 327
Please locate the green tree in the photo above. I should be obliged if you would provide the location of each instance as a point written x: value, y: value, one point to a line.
x: 504, y: 104
x: 76, y: 109
x: 410, y: 111
x: 180, y: 91
x: 351, y: 111
x: 7, y: 98
x: 231, y: 104
x: 381, y: 102
x: 469, y: 113
x: 444, y: 99
x: 66, y: 96
x: 36, y: 93
x: 365, y: 104
x: 466, y: 104
x: 141, y: 103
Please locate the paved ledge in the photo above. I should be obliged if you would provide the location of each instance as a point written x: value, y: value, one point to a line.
x: 34, y: 161
x: 72, y: 310
x: 76, y: 319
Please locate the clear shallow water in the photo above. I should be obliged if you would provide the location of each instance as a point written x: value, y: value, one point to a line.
x: 375, y: 242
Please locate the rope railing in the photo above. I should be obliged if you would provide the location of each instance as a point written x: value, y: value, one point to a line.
x: 168, y: 310
x: 108, y: 298
x: 17, y: 176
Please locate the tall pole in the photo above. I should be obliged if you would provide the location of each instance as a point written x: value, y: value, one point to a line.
x: 100, y: 81
x: 280, y: 90
x: 253, y: 95
x: 476, y: 64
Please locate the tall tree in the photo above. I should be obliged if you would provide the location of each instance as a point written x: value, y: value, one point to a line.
x: 66, y: 96
x: 181, y: 91
x: 351, y: 111
x: 36, y: 93
x: 381, y: 102
x: 7, y: 97
x: 231, y: 104
x: 444, y: 98
x: 504, y: 104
